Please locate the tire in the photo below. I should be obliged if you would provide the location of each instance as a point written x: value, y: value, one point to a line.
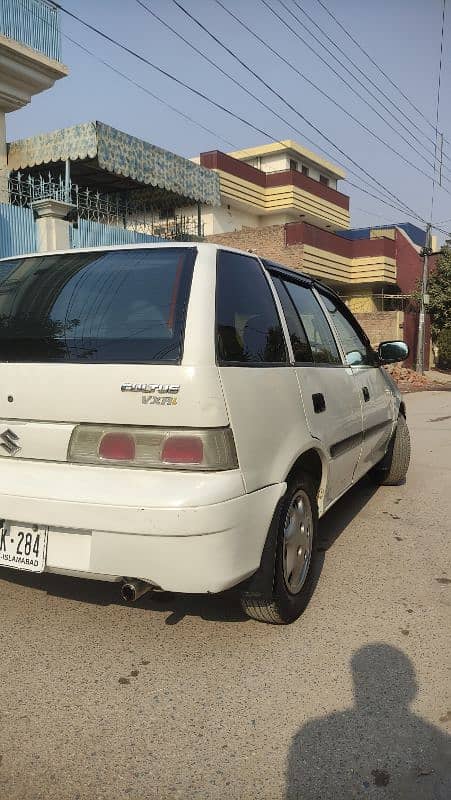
x: 394, y: 466
x: 282, y: 588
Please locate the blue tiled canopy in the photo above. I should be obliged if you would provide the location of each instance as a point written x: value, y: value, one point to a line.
x: 120, y: 154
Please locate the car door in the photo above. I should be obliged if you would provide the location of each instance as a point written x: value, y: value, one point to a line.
x: 327, y: 387
x: 258, y: 379
x: 374, y: 390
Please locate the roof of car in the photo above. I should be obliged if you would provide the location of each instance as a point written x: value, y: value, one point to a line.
x: 289, y: 272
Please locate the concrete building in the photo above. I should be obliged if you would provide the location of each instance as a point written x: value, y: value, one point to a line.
x: 30, y: 61
x: 281, y: 201
x: 272, y: 185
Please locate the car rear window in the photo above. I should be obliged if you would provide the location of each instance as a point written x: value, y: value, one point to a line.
x: 124, y: 306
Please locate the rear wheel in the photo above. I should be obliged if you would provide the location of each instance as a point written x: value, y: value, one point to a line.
x: 286, y: 589
x: 393, y: 468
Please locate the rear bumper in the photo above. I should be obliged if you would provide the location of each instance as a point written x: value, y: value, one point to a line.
x: 185, y: 547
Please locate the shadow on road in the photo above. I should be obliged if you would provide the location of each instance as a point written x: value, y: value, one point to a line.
x: 224, y: 607
x: 378, y: 748
x: 332, y: 525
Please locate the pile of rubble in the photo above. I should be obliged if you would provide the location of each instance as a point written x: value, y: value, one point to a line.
x: 410, y: 381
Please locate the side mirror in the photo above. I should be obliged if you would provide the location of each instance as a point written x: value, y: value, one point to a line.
x: 354, y: 358
x: 390, y: 352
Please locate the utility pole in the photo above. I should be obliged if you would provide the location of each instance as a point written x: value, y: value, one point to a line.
x: 425, y: 252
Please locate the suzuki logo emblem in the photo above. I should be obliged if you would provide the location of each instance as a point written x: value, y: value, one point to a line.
x: 9, y: 442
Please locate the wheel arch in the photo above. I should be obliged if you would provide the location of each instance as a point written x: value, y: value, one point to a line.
x: 312, y: 461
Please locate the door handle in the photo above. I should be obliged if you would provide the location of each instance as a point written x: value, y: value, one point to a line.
x: 366, y: 393
x: 319, y: 403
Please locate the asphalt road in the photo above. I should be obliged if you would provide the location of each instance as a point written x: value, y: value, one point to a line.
x: 185, y: 698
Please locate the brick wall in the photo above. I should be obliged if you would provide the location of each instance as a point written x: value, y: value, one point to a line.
x: 268, y: 242
x: 381, y: 326
x: 284, y: 243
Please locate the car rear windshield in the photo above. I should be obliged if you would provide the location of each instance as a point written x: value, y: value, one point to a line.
x: 123, y: 306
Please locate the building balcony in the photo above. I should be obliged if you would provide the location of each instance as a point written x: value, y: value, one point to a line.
x: 30, y: 51
x: 271, y: 193
x: 346, y: 262
x: 34, y: 23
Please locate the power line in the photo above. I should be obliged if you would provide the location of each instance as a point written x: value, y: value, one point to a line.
x: 252, y: 94
x: 437, y: 113
x: 238, y: 83
x: 289, y: 105
x: 164, y: 72
x: 375, y: 64
x: 324, y: 94
x: 404, y: 207
x: 147, y: 91
x: 427, y: 248
x: 123, y: 75
x: 208, y: 60
x: 367, y: 77
x: 370, y: 213
x: 346, y: 82
x: 385, y: 202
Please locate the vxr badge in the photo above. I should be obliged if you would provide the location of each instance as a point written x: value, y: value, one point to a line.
x: 9, y: 442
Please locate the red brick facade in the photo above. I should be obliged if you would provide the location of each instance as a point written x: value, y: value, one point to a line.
x: 380, y: 326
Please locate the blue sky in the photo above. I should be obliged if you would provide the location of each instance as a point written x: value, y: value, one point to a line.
x: 403, y: 36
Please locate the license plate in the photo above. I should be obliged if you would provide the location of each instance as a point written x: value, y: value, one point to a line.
x: 23, y: 546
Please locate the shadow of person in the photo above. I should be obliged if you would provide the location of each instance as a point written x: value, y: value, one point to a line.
x: 378, y: 748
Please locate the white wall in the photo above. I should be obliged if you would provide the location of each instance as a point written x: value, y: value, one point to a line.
x: 271, y: 163
x: 228, y: 219
x: 280, y: 162
x: 223, y: 219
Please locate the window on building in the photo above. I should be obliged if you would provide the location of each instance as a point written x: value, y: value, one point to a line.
x: 324, y: 180
x: 248, y: 328
x: 293, y: 164
x: 305, y: 170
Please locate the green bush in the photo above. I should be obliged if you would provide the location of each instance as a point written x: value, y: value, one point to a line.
x: 444, y: 348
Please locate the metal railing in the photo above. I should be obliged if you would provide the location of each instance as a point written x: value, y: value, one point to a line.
x: 381, y: 301
x: 130, y: 211
x: 34, y: 23
x: 25, y: 189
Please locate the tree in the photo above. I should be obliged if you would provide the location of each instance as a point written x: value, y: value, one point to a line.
x: 439, y: 290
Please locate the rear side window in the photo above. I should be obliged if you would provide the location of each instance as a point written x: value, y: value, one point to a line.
x: 317, y: 328
x: 124, y: 306
x: 357, y: 350
x: 248, y: 329
x: 301, y: 349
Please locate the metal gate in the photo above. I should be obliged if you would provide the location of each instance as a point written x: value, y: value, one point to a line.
x: 95, y: 234
x: 17, y: 231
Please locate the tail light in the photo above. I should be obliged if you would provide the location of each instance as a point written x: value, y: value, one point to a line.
x: 208, y: 449
x: 117, y: 447
x: 183, y: 450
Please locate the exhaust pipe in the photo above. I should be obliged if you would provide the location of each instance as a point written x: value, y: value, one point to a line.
x: 132, y: 590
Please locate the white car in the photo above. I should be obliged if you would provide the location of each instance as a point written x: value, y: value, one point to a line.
x: 177, y: 417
